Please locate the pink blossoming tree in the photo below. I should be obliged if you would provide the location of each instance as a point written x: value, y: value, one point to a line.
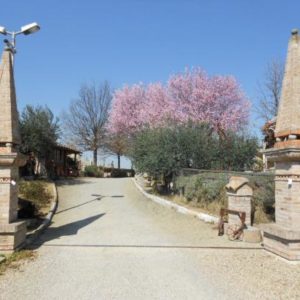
x: 192, y: 95
x: 216, y: 100
x: 127, y: 110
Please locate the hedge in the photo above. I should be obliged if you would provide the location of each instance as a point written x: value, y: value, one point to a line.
x: 207, y: 190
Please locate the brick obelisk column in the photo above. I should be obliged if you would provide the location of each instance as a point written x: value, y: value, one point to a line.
x: 283, y: 237
x: 12, y: 232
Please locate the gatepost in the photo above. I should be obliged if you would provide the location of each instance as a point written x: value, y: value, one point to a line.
x: 239, y: 195
x: 12, y: 231
x: 283, y: 237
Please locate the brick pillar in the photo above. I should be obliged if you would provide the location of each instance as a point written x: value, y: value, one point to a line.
x: 283, y: 236
x: 239, y: 194
x: 8, y: 194
x: 12, y: 231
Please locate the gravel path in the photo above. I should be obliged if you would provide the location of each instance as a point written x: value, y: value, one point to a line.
x: 108, y: 242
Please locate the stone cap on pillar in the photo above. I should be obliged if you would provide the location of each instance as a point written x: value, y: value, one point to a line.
x: 9, y: 121
x: 239, y: 186
x: 287, y: 129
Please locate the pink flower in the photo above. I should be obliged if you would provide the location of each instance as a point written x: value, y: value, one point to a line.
x: 191, y: 95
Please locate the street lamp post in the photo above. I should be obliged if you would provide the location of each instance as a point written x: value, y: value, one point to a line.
x: 26, y: 30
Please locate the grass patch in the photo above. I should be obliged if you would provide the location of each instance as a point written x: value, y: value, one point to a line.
x: 38, y: 193
x: 15, y: 259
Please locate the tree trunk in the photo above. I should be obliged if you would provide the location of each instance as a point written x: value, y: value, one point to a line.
x: 95, y: 152
x: 119, y: 161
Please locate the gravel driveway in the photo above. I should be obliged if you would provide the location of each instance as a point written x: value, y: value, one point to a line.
x: 109, y: 242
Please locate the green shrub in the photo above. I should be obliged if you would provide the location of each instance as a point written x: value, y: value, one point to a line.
x: 207, y: 190
x: 118, y: 173
x: 122, y: 173
x: 166, y: 150
x: 35, y: 191
x: 93, y: 171
x: 107, y: 169
x: 199, y: 188
x: 204, y: 192
x: 264, y: 198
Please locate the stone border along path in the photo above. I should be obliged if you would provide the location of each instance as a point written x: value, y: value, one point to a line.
x: 179, y: 208
x: 184, y: 210
x: 35, y: 234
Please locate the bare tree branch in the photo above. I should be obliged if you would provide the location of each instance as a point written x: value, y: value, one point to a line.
x: 270, y: 90
x: 85, y: 122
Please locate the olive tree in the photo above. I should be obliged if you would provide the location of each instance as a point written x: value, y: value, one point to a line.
x: 39, y: 131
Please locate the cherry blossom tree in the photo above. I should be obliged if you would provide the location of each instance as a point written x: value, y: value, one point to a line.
x: 158, y: 107
x: 216, y: 100
x: 188, y: 96
x: 127, y: 110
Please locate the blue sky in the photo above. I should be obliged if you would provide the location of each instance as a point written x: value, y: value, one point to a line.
x: 142, y: 41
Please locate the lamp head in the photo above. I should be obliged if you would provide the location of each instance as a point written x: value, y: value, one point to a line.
x: 30, y: 28
x: 3, y: 30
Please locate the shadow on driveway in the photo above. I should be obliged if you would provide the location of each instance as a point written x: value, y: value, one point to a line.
x: 98, y: 198
x: 72, y: 181
x: 79, y: 205
x: 53, y: 233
